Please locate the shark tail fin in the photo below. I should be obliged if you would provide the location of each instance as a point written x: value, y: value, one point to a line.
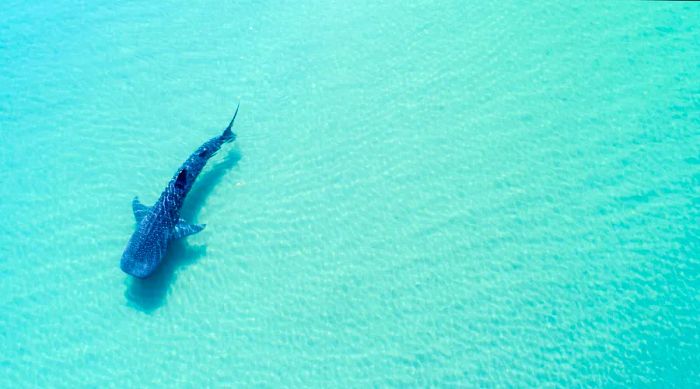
x: 228, y: 135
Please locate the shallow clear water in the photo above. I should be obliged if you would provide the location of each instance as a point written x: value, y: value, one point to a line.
x: 435, y: 194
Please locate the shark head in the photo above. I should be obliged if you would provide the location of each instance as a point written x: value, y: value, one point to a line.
x: 135, y: 267
x: 144, y: 252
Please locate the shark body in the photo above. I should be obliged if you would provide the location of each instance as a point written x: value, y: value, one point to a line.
x: 161, y: 223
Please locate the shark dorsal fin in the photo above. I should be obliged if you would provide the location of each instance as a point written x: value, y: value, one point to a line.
x: 181, y: 180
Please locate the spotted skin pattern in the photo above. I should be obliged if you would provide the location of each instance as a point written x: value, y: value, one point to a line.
x: 159, y: 224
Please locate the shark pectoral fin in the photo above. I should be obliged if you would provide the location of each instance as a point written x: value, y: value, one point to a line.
x: 139, y: 209
x: 183, y: 229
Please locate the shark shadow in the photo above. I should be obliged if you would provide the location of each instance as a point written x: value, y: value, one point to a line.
x: 149, y: 294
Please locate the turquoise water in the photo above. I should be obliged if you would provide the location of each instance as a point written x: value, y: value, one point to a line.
x: 442, y: 194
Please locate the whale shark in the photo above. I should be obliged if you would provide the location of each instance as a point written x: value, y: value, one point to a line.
x: 159, y: 224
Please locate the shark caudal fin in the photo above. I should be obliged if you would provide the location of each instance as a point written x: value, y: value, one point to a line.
x: 228, y: 135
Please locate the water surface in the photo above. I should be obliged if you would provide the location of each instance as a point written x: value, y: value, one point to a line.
x: 427, y: 194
